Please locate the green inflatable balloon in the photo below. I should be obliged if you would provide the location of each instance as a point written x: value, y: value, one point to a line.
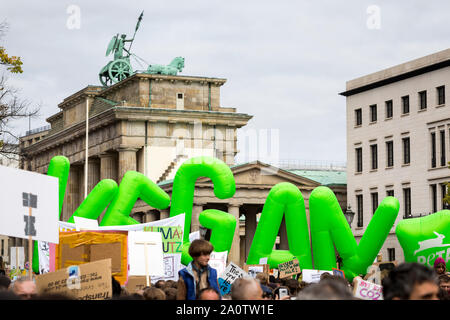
x: 184, y: 185
x: 58, y: 167
x: 134, y: 185
x: 328, y: 226
x: 425, y: 239
x: 284, y: 198
x: 96, y: 201
x: 222, y: 225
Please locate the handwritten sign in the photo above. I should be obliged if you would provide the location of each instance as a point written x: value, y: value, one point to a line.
x: 136, y: 283
x: 218, y: 261
x: 90, y: 281
x: 367, y: 290
x: 226, y: 279
x: 289, y: 268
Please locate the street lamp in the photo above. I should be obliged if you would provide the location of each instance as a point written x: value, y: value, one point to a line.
x: 349, y: 215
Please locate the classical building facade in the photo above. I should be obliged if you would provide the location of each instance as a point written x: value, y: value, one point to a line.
x: 151, y: 124
x: 398, y: 129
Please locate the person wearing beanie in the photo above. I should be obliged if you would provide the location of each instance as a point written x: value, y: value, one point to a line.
x: 439, y: 266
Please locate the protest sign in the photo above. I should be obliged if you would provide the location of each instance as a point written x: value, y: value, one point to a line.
x: 289, y: 268
x: 145, y: 254
x: 218, y: 261
x: 80, y: 247
x: 30, y: 205
x: 367, y: 290
x: 339, y: 273
x: 90, y: 281
x: 194, y: 236
x: 136, y: 283
x: 85, y: 224
x: 17, y: 258
x: 254, y: 269
x: 313, y: 276
x: 172, y: 241
x: 228, y: 276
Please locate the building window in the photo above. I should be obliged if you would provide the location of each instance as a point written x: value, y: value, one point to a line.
x: 407, y: 202
x: 374, y: 156
x: 440, y: 95
x: 359, y: 208
x: 390, y: 193
x: 389, y: 109
x: 391, y: 254
x: 433, y: 198
x: 405, y: 104
x: 433, y: 150
x: 442, y: 134
x: 373, y: 113
x: 444, y: 193
x: 358, y: 117
x: 423, y: 100
x: 374, y: 197
x: 406, y: 151
x: 359, y: 164
x: 390, y: 153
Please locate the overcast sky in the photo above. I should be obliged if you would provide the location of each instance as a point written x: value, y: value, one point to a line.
x: 285, y: 62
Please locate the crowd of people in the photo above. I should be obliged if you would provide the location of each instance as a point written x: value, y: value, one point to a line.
x: 198, y: 281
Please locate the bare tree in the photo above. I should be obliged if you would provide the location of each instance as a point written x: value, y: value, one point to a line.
x: 12, y: 106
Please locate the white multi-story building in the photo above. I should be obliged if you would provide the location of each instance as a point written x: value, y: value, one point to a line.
x: 398, y: 142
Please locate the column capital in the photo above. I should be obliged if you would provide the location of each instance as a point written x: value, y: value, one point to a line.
x: 235, y: 204
x: 127, y: 148
x: 106, y: 155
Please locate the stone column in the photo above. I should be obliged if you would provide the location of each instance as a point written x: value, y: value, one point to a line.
x: 93, y: 173
x: 127, y: 161
x: 81, y: 184
x: 164, y: 214
x: 196, y: 210
x: 108, y: 166
x: 71, y: 203
x: 250, y: 227
x: 234, y: 256
x: 151, y: 215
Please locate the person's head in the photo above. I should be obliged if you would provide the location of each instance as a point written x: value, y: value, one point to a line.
x: 160, y: 284
x: 208, y: 294
x: 293, y: 286
x: 439, y: 266
x: 444, y: 282
x: 24, y: 288
x: 246, y: 289
x: 171, y: 293
x: 200, y: 250
x: 263, y: 278
x: 153, y: 293
x: 170, y: 284
x: 410, y: 281
x: 326, y: 289
x: 4, y: 282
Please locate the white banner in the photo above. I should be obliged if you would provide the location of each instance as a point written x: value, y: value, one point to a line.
x: 218, y: 261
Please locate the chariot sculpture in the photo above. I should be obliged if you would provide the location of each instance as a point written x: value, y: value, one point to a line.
x: 120, y: 68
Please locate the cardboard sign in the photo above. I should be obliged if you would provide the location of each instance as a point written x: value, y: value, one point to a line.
x: 30, y: 205
x: 90, y: 281
x: 254, y: 269
x: 230, y: 274
x: 135, y: 283
x: 367, y: 290
x: 289, y: 268
x: 313, y: 276
x: 218, y: 261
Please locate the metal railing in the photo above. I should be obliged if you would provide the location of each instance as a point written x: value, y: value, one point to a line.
x: 296, y: 164
x: 37, y: 130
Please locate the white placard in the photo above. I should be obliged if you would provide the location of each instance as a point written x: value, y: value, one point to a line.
x: 263, y: 260
x: 218, y: 261
x: 367, y: 290
x: 137, y: 254
x: 313, y: 276
x: 85, y: 224
x: 228, y: 276
x: 14, y: 212
x: 17, y: 258
x: 194, y: 236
